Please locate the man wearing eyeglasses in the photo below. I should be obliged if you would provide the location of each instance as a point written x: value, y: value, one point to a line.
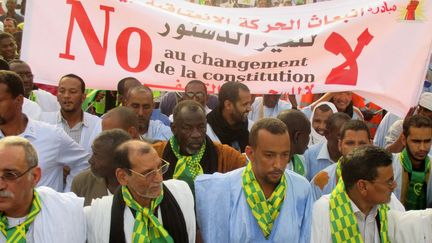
x: 145, y: 208
x: 45, y: 100
x: 55, y: 148
x: 190, y: 151
x: 29, y: 214
x: 412, y: 166
x: 353, y: 134
x: 262, y: 202
x: 357, y: 210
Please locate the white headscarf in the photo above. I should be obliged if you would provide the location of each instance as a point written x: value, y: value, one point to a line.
x: 315, y: 137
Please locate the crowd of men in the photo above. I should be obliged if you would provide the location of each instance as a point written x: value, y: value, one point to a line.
x: 198, y: 167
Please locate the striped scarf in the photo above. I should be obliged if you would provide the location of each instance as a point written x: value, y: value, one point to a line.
x: 338, y: 170
x: 17, y: 234
x: 147, y: 227
x: 32, y: 96
x: 265, y: 211
x: 343, y: 222
x: 188, y: 167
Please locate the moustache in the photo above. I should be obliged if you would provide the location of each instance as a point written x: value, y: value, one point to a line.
x: 277, y: 171
x: 6, y: 194
x: 144, y: 195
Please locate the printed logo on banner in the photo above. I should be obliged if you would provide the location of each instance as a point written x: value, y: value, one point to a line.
x: 411, y: 10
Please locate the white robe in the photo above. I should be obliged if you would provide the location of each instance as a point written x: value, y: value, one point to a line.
x: 31, y: 109
x: 321, y: 227
x: 259, y: 110
x: 61, y: 219
x: 46, y: 100
x: 99, y: 214
x: 413, y: 226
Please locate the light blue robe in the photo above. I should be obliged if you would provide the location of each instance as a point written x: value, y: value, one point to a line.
x: 317, y: 158
x: 224, y: 216
x: 157, y: 131
x: 383, y: 127
x: 291, y: 164
x: 331, y: 183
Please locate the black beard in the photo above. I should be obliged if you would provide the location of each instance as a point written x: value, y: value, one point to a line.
x: 410, y: 154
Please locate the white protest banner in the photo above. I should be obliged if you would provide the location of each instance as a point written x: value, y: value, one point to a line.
x: 374, y: 47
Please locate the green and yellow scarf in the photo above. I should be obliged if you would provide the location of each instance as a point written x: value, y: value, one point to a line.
x: 187, y: 167
x: 32, y: 96
x: 298, y: 166
x: 413, y: 195
x: 265, y: 211
x: 338, y: 170
x: 17, y: 234
x: 147, y: 227
x: 343, y: 222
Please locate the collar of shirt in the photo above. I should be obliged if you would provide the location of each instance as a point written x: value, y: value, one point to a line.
x: 360, y: 214
x: 84, y: 121
x: 207, y: 109
x: 12, y: 222
x: 29, y: 131
x: 323, y: 153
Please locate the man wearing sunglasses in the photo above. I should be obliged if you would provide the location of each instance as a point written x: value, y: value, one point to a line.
x: 195, y: 90
x: 30, y: 214
x: 145, y: 208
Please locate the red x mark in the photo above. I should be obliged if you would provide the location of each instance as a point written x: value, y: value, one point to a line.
x: 336, y: 44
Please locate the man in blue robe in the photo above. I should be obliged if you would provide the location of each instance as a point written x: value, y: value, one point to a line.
x: 261, y: 201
